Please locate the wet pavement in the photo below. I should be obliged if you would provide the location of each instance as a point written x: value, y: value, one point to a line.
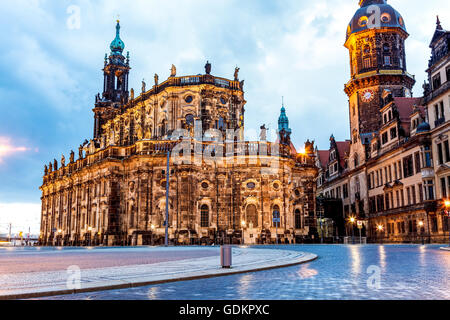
x: 35, y: 259
x: 34, y: 272
x: 341, y: 272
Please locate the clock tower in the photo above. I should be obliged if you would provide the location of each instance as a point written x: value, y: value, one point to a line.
x: 376, y: 42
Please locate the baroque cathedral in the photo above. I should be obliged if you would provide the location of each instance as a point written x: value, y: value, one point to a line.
x: 173, y: 158
x: 391, y: 178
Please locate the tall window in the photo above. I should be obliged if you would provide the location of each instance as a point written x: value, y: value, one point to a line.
x: 429, y: 189
x: 443, y: 188
x: 252, y: 215
x: 408, y: 169
x: 427, y: 156
x: 276, y: 215
x: 204, y: 216
x: 417, y: 161
x: 298, y: 219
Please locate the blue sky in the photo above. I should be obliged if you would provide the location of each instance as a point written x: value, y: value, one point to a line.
x: 51, y: 71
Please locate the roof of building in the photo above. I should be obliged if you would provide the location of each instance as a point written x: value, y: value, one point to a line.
x: 117, y: 45
x: 389, y: 17
x: 343, y: 150
x: 405, y: 107
x: 324, y: 156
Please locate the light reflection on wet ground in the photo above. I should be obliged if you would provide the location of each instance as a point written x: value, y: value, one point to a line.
x: 341, y: 272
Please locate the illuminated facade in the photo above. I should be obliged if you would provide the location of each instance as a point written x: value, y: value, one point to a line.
x: 387, y: 169
x: 221, y: 188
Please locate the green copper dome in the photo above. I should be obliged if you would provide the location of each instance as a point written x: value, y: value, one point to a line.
x: 117, y: 45
x: 283, y: 121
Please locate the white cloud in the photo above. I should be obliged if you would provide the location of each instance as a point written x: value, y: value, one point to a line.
x: 21, y: 216
x: 7, y: 148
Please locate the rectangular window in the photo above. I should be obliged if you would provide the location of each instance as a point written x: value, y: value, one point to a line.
x: 387, y: 201
x: 384, y: 138
x: 447, y: 151
x: 399, y: 170
x: 345, y: 191
x: 429, y: 189
x: 428, y: 156
x: 413, y: 194
x: 443, y: 188
x: 402, y: 194
x: 408, y: 169
x: 408, y: 195
x: 436, y: 81
x: 397, y: 196
x: 395, y: 171
x: 387, y: 60
x: 366, y: 63
x: 420, y: 192
x: 417, y: 161
x: 440, y: 154
x: 447, y: 71
x: 393, y: 133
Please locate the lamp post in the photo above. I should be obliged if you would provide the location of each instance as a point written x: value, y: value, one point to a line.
x: 380, y: 229
x: 447, y: 212
x: 243, y: 224
x: 59, y: 236
x: 90, y: 234
x: 153, y: 230
x: 352, y: 221
x: 421, y: 226
x: 166, y: 223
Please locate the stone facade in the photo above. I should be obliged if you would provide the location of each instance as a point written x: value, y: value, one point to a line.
x: 390, y: 168
x: 221, y: 189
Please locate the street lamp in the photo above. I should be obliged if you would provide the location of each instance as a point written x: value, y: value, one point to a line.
x: 89, y: 229
x: 352, y: 222
x: 243, y: 224
x: 447, y: 211
x: 153, y: 230
x: 59, y: 236
x: 421, y: 226
x: 380, y: 229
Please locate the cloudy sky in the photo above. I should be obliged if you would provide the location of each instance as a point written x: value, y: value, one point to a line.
x: 50, y: 69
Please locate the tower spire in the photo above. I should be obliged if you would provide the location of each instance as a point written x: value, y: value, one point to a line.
x: 438, y: 23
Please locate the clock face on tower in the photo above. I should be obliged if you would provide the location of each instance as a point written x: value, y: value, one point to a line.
x: 367, y: 95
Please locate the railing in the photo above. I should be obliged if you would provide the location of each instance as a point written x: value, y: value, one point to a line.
x: 439, y: 121
x: 437, y: 92
x: 157, y: 147
x: 188, y: 81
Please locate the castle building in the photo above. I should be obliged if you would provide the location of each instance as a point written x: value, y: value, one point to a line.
x: 190, y: 129
x: 388, y: 167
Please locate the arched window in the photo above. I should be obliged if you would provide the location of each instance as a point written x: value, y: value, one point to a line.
x: 252, y: 215
x: 298, y: 219
x: 204, y: 216
x: 276, y: 215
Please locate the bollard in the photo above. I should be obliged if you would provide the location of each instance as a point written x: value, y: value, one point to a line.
x: 225, y: 256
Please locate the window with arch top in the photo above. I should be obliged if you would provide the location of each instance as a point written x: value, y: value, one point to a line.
x: 252, y: 215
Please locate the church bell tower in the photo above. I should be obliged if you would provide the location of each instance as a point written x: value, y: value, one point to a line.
x: 376, y: 42
x: 115, y: 84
